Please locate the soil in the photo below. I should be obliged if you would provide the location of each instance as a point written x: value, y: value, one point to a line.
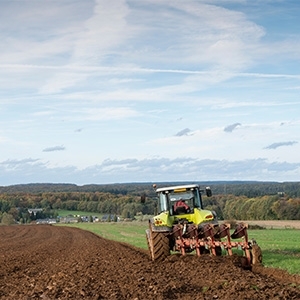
x: 53, y: 262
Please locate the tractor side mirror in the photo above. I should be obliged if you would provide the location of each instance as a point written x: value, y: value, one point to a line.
x: 208, y: 191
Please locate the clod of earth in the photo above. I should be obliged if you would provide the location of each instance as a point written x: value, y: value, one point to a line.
x: 51, y: 262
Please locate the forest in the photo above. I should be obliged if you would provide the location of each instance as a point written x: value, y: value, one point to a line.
x: 230, y: 200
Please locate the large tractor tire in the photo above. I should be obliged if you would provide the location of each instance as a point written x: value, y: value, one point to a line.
x: 158, y: 244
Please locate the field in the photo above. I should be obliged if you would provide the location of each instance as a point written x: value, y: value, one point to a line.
x: 280, y: 246
x: 132, y: 233
x: 63, y: 262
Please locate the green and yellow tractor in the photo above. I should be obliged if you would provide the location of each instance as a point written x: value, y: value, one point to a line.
x: 183, y: 225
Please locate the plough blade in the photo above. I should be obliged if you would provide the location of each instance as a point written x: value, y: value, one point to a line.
x: 208, y: 239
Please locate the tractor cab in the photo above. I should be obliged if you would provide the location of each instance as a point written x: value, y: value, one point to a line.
x: 178, y: 200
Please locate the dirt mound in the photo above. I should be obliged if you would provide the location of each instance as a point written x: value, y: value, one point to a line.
x: 50, y: 262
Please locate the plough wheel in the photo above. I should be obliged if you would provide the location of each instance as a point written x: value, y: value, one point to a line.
x: 158, y: 244
x: 256, y: 255
x: 218, y: 250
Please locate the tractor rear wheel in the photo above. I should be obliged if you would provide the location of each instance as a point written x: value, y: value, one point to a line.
x: 158, y: 244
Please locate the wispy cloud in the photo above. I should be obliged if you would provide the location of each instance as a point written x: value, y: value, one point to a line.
x: 109, y: 113
x: 55, y: 148
x: 232, y: 127
x: 107, y: 33
x: 12, y: 163
x: 281, y: 144
x: 249, y: 104
x: 182, y: 132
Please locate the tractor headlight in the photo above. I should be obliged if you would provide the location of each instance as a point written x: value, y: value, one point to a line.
x: 158, y: 222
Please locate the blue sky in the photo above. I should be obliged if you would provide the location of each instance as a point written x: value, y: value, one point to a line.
x: 100, y: 91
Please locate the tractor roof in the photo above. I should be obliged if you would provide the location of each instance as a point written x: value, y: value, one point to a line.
x: 177, y: 187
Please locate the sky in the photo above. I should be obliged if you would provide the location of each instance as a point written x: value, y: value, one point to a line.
x: 97, y: 91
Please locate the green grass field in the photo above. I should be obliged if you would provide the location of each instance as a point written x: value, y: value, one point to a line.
x: 128, y: 232
x: 280, y: 247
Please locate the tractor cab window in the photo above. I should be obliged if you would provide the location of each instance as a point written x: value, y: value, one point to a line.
x: 162, y: 202
x: 182, y: 203
x: 197, y: 198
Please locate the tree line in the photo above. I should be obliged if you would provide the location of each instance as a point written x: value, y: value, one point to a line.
x: 127, y: 206
x: 238, y: 188
x: 272, y: 207
x: 125, y: 200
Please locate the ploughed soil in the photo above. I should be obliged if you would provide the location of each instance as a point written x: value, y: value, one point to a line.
x: 52, y: 262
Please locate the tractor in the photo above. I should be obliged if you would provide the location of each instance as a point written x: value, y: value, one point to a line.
x: 183, y: 225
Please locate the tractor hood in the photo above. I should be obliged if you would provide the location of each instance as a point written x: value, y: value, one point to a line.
x: 198, y: 216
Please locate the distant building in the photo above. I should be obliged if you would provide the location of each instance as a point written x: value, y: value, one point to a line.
x: 46, y: 221
x: 68, y: 220
x: 34, y: 210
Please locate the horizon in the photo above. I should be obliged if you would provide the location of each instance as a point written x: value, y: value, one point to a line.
x: 220, y: 182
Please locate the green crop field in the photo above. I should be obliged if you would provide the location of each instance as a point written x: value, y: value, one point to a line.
x: 280, y: 247
x: 128, y: 232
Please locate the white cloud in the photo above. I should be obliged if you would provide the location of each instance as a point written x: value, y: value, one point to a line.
x: 105, y: 29
x: 154, y: 169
